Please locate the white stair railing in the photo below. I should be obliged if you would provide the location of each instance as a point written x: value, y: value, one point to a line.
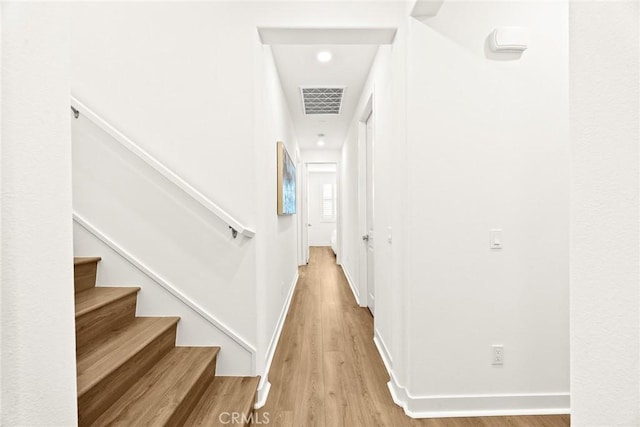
x: 236, y: 226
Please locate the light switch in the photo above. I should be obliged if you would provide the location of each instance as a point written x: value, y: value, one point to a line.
x: 495, y: 240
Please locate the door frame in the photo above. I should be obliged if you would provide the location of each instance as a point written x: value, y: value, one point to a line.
x: 304, y: 211
x: 366, y: 112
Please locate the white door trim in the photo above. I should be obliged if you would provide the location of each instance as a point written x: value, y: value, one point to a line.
x: 366, y: 112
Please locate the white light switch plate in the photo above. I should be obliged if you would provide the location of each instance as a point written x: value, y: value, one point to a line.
x: 495, y: 238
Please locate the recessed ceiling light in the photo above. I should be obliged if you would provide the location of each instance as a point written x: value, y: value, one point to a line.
x: 320, y: 143
x: 324, y: 56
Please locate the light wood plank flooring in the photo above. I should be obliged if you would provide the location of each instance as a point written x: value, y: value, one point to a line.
x: 327, y: 371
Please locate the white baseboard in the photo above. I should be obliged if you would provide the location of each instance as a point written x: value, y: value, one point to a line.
x: 265, y: 386
x: 356, y: 294
x: 383, y: 350
x: 481, y: 405
x: 263, y: 393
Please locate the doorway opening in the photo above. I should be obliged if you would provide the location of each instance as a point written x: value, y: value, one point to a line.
x: 320, y: 206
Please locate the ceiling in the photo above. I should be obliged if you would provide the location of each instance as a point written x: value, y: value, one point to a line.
x: 298, y: 66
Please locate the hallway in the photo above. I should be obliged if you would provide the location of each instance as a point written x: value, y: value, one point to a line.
x: 326, y: 370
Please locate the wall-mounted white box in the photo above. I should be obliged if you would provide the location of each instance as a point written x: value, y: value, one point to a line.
x: 509, y: 39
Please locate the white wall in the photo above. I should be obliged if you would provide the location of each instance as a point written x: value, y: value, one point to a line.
x: 460, y: 149
x: 38, y: 332
x: 320, y: 156
x: 605, y: 293
x: 1, y: 334
x: 386, y: 95
x: 398, y: 359
x: 349, y: 227
x: 167, y: 76
x: 386, y: 90
x: 167, y: 86
x: 277, y: 267
x: 488, y: 147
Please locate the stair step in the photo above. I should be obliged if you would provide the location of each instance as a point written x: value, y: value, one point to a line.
x: 80, y: 260
x: 166, y: 394
x: 223, y: 398
x: 84, y: 272
x: 102, y: 309
x: 109, y: 365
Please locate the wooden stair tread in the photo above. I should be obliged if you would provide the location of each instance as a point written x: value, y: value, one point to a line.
x: 94, y: 298
x: 79, y: 260
x: 102, y: 358
x: 158, y: 394
x: 225, y: 394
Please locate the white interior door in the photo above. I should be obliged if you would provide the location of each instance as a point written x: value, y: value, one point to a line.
x: 322, y: 207
x: 369, y: 236
x: 305, y: 216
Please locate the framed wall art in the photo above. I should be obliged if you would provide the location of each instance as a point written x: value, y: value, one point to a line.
x: 286, y: 181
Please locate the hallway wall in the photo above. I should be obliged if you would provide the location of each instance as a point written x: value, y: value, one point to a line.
x: 349, y: 229
x: 385, y: 88
x: 277, y: 243
x: 167, y: 90
x: 605, y: 219
x: 38, y: 369
x: 488, y: 147
x: 467, y: 141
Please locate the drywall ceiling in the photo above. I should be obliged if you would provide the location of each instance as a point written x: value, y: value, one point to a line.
x: 324, y: 36
x: 298, y: 66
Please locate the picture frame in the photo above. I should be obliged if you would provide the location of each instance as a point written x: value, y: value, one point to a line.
x: 286, y: 181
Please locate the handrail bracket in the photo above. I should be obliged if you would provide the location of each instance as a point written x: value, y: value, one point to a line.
x: 234, y: 232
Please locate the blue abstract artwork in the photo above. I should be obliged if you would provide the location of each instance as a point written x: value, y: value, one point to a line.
x: 286, y: 182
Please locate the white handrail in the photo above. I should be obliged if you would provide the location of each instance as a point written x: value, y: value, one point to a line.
x: 235, y: 225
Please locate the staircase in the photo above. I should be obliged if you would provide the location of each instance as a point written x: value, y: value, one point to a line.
x: 131, y: 373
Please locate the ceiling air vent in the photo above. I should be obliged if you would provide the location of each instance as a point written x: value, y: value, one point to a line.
x: 322, y: 100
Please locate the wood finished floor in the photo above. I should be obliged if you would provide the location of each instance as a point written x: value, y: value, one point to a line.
x: 327, y: 372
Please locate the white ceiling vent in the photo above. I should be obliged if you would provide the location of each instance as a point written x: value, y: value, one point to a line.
x: 322, y: 100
